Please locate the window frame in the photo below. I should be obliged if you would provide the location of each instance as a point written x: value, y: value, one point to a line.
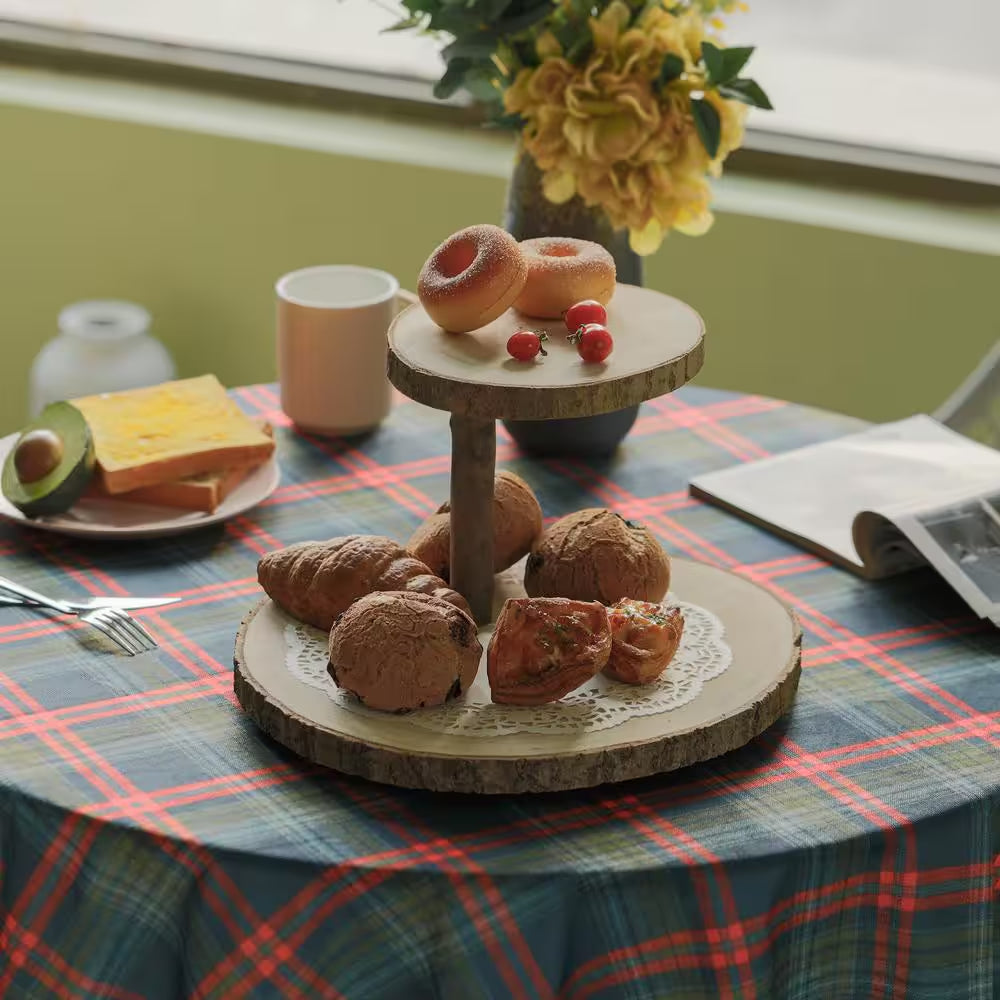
x: 766, y: 152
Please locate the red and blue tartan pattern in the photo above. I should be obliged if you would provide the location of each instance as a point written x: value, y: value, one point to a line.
x: 153, y: 844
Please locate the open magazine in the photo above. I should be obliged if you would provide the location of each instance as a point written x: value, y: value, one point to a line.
x: 881, y: 501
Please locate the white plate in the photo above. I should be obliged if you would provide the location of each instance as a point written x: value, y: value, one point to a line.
x: 117, y: 519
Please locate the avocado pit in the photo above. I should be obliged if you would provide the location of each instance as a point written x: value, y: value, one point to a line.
x: 49, y: 467
x: 37, y: 454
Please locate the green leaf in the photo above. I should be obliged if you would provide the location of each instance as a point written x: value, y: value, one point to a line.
x: 473, y: 46
x: 733, y: 60
x: 722, y: 65
x: 475, y: 36
x: 576, y: 43
x: 479, y: 83
x: 455, y: 21
x: 490, y: 10
x: 453, y: 78
x: 516, y: 23
x: 566, y: 34
x: 579, y: 52
x: 524, y: 53
x: 712, y: 58
x: 502, y: 121
x: 747, y: 91
x: 413, y: 21
x: 706, y: 121
x: 671, y: 69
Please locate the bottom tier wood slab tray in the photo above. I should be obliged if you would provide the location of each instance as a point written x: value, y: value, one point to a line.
x: 729, y: 711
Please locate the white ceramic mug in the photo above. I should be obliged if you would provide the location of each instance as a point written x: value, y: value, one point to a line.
x: 332, y: 323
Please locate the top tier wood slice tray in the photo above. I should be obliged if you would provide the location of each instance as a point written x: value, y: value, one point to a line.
x: 659, y: 346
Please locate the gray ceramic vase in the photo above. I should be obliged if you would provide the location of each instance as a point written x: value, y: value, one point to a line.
x: 528, y: 215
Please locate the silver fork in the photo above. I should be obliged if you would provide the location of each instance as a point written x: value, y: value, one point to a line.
x: 119, y: 627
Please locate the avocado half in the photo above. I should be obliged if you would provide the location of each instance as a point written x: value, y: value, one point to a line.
x: 60, y: 488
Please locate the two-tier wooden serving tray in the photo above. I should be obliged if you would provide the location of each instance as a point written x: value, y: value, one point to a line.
x: 659, y: 346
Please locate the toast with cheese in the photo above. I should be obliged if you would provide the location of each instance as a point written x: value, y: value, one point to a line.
x: 203, y: 492
x: 170, y: 432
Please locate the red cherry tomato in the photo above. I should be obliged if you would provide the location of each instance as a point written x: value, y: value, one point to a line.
x: 525, y: 344
x: 582, y: 313
x: 594, y: 342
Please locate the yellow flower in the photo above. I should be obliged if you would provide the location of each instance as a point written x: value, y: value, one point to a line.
x: 516, y: 97
x: 646, y: 239
x: 610, y: 116
x: 611, y: 134
x: 547, y: 137
x: 559, y: 187
x: 692, y: 31
x: 533, y: 88
x: 547, y: 46
x: 549, y: 82
x: 663, y: 142
x: 732, y: 116
x: 606, y: 29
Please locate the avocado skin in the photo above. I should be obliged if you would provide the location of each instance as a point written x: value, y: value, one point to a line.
x: 65, y: 484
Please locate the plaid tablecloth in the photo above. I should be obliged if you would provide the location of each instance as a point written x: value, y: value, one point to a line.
x: 154, y: 845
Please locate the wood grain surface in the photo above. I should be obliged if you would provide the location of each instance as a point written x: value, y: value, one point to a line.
x: 473, y: 469
x: 659, y: 346
x: 732, y: 709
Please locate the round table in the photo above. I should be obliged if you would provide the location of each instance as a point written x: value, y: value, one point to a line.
x: 153, y: 844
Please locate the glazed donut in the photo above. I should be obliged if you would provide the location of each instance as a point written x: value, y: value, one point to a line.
x: 562, y: 271
x: 472, y: 278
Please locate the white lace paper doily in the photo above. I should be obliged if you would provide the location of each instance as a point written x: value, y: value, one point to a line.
x: 599, y: 704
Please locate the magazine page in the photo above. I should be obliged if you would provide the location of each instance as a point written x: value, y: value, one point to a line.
x: 961, y: 540
x: 813, y: 494
x: 882, y: 547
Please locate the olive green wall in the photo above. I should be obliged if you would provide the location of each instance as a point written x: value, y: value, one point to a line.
x: 196, y: 227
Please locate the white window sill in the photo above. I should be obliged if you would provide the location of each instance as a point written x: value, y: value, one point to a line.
x: 933, y: 121
x: 972, y: 228
x: 891, y: 117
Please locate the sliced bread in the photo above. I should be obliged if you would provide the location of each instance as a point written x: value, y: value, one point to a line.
x: 169, y: 432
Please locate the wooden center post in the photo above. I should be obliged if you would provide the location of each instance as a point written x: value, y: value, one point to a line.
x: 473, y: 468
x: 659, y: 345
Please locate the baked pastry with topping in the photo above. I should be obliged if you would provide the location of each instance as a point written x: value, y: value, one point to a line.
x: 644, y: 639
x: 472, y: 278
x: 397, y: 651
x: 543, y: 648
x: 563, y: 270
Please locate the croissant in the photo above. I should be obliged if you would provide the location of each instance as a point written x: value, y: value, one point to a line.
x: 316, y: 582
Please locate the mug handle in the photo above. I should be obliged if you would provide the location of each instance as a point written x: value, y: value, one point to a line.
x: 404, y: 299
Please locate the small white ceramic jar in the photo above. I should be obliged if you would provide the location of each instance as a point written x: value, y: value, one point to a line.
x: 103, y: 346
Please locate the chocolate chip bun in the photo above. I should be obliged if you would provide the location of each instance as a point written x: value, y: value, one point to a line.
x: 597, y: 555
x: 397, y: 651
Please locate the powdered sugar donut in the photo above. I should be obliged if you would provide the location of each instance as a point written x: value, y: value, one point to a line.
x: 561, y: 271
x: 472, y: 278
